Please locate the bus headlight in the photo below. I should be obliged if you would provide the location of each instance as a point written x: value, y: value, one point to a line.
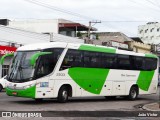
x: 28, y: 86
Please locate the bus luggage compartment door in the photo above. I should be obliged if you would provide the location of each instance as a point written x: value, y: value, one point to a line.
x: 118, y: 88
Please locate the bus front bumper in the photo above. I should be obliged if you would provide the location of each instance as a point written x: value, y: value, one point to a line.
x: 27, y: 93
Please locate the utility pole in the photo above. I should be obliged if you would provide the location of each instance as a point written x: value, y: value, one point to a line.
x: 51, y: 37
x: 90, y: 26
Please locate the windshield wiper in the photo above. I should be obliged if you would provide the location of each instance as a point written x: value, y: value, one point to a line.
x: 13, y: 70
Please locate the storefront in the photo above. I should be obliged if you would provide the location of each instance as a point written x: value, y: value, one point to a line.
x: 5, y: 50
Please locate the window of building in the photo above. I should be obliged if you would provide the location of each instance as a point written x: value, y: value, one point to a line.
x: 158, y: 29
x: 152, y: 37
x: 146, y: 30
x: 140, y: 31
x: 151, y: 30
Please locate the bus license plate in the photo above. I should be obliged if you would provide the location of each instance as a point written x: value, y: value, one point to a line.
x: 14, y: 93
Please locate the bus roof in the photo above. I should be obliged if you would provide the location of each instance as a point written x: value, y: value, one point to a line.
x: 88, y: 47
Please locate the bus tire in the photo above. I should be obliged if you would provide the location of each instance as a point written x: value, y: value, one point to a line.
x: 1, y: 87
x: 63, y: 94
x: 133, y: 93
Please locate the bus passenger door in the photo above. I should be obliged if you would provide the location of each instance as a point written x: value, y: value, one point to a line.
x: 118, y: 88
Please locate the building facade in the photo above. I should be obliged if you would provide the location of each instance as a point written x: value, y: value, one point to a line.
x: 112, y: 39
x: 150, y: 33
x: 138, y: 47
x: 121, y: 41
x: 5, y: 48
x: 57, y: 26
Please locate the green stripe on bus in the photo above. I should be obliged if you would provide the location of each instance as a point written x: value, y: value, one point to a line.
x: 90, y: 79
x: 97, y: 49
x: 151, y: 55
x: 144, y: 79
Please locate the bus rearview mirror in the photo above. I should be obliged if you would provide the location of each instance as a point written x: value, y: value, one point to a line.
x: 4, y: 56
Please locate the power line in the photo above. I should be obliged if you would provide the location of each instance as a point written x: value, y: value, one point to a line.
x: 123, y: 21
x: 154, y: 4
x: 72, y: 13
x: 118, y: 29
x: 57, y: 9
x: 140, y: 4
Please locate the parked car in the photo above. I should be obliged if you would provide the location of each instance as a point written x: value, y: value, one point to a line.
x: 2, y: 83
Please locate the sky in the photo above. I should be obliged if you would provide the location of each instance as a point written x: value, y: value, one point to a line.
x: 115, y: 15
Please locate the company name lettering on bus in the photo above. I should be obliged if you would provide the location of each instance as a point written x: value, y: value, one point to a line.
x: 126, y: 75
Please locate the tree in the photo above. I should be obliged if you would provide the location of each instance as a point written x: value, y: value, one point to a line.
x: 79, y: 34
x: 97, y: 37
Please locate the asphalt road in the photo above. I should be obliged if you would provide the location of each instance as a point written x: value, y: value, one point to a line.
x: 8, y: 103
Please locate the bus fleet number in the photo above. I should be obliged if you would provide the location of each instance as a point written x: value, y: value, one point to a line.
x: 60, y: 74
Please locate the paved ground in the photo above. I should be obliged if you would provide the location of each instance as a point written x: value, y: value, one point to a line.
x: 76, y: 104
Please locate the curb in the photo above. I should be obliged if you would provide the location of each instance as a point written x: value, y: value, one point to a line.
x: 145, y: 107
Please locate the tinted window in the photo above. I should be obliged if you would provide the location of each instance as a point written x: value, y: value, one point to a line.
x: 47, y: 63
x: 73, y: 58
x: 88, y: 59
x: 139, y: 63
x: 92, y: 59
x: 150, y: 63
x: 109, y: 60
x: 123, y: 62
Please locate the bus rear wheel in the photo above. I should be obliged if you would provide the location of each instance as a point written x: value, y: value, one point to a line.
x: 63, y: 95
x: 133, y: 94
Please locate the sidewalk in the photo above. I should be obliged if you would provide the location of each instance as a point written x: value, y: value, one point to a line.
x: 152, y: 107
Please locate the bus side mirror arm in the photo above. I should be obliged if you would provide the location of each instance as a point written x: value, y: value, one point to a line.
x: 35, y: 57
x: 4, y: 56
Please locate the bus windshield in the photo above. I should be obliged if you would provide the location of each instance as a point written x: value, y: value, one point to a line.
x: 20, y: 69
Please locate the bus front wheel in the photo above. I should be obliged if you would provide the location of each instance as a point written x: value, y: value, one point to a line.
x: 63, y: 95
x: 133, y: 93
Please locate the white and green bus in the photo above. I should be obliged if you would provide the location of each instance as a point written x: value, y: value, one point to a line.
x: 62, y: 70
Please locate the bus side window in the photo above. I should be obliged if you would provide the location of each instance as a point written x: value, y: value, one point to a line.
x: 73, y: 58
x: 92, y: 59
x: 150, y: 64
x: 139, y: 63
x: 47, y: 62
x: 109, y: 61
x: 123, y: 62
